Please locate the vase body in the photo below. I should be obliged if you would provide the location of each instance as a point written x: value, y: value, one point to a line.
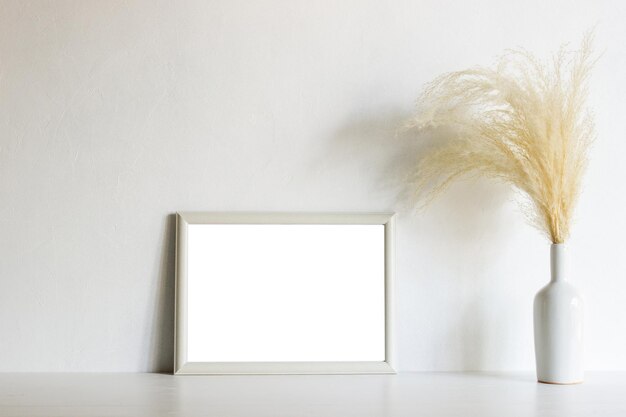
x: 558, y: 323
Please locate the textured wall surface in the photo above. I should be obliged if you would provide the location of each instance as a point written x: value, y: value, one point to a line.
x: 116, y: 114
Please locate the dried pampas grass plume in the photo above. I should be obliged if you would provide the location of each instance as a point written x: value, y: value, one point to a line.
x: 522, y: 122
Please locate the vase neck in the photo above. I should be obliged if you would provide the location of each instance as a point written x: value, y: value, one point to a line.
x: 557, y: 262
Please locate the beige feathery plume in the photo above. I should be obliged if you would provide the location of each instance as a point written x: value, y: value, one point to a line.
x: 521, y: 122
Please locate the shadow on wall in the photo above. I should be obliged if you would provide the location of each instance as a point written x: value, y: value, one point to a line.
x: 375, y: 146
x: 460, y: 221
x: 380, y: 147
x: 162, y: 343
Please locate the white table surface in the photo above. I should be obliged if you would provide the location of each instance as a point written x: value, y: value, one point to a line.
x: 405, y: 394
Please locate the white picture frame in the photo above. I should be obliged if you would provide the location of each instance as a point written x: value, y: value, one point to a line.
x: 186, y: 226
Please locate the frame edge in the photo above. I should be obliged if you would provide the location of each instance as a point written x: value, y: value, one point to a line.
x: 182, y: 367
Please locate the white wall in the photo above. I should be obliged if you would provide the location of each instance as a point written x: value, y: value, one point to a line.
x: 114, y: 115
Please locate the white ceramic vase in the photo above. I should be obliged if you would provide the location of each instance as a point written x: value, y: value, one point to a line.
x: 558, y: 321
